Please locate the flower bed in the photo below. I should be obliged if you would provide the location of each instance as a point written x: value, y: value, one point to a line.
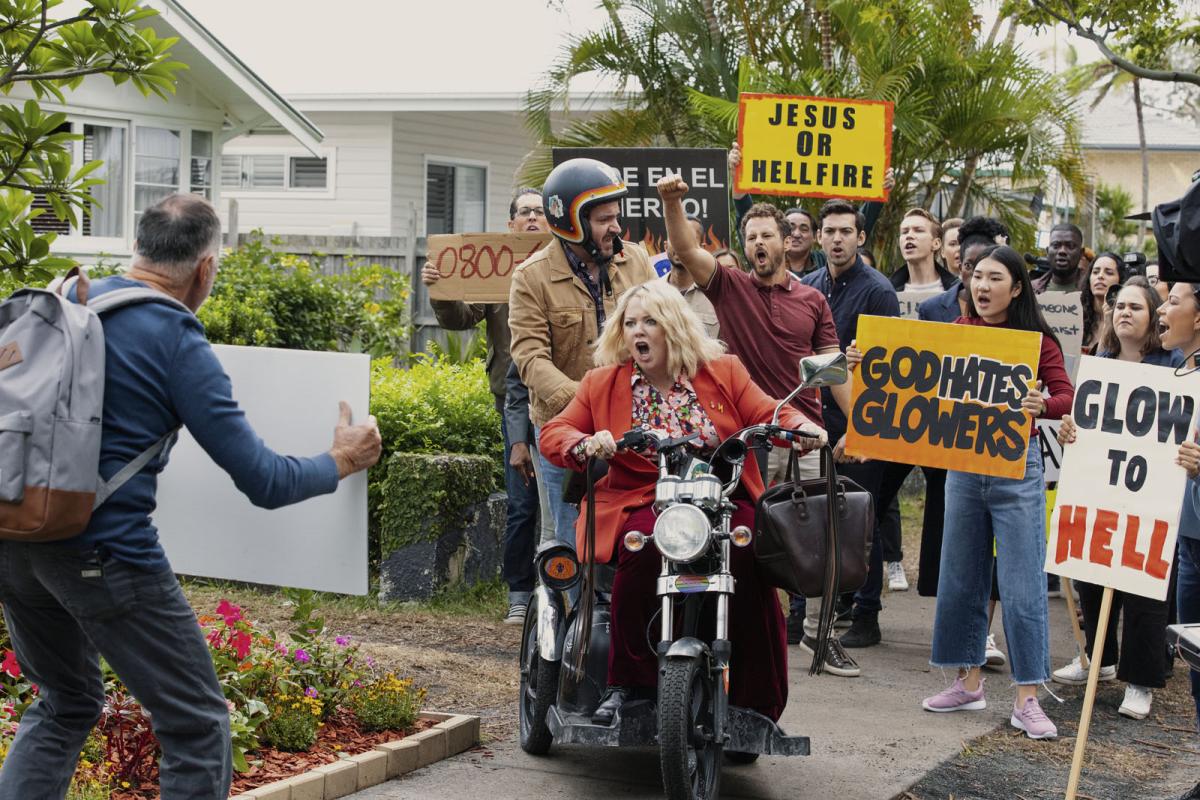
x: 295, y: 702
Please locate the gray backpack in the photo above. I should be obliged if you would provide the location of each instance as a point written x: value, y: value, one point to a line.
x: 51, y: 407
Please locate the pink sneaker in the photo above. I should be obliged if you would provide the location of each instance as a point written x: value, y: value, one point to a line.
x: 956, y: 698
x: 1031, y: 719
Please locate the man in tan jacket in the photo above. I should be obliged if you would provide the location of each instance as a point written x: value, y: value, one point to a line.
x: 562, y: 295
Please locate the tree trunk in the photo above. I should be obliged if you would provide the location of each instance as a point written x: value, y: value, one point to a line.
x: 1141, y: 126
x: 959, y: 201
x: 826, y: 27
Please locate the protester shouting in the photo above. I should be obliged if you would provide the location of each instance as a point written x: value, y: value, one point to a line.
x: 1179, y: 327
x: 682, y: 280
x: 110, y: 592
x: 1010, y: 511
x: 920, y: 244
x: 1131, y: 333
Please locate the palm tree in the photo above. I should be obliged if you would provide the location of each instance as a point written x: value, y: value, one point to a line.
x: 966, y: 107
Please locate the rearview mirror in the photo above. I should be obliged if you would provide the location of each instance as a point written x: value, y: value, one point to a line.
x: 829, y: 369
x: 826, y: 370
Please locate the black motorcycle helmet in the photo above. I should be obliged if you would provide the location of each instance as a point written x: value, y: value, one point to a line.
x: 571, y: 189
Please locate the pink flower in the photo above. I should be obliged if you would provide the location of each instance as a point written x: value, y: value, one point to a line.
x: 312, y: 692
x: 302, y: 656
x: 281, y: 648
x: 241, y: 645
x: 229, y: 612
x: 10, y: 666
x: 342, y: 641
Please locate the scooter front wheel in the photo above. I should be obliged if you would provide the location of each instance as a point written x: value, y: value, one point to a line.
x: 539, y: 688
x: 690, y: 759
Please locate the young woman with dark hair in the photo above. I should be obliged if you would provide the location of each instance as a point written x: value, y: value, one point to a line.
x: 1010, y: 511
x: 1131, y: 333
x: 1107, y: 270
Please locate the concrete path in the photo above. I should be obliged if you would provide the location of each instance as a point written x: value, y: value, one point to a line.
x: 870, y: 737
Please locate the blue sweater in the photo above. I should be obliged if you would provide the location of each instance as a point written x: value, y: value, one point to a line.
x: 161, y: 372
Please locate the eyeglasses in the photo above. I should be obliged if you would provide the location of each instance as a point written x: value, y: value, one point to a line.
x: 538, y: 212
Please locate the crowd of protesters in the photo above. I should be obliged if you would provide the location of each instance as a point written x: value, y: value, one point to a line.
x: 797, y: 287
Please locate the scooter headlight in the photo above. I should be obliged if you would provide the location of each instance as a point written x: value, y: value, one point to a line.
x: 682, y: 533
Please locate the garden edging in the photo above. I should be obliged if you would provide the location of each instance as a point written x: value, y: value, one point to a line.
x: 451, y: 735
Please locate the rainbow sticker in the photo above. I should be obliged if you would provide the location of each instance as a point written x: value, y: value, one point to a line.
x: 691, y: 583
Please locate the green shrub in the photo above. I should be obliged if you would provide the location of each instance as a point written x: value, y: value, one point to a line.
x: 293, y: 724
x: 422, y: 495
x: 386, y: 704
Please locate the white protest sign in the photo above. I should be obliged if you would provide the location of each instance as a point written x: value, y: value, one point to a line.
x: 1064, y: 313
x: 210, y: 529
x: 910, y: 300
x: 1116, y: 514
x: 1052, y: 451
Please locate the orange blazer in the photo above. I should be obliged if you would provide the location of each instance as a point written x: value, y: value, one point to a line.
x: 604, y: 401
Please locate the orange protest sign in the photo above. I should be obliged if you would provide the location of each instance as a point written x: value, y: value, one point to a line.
x: 813, y: 146
x: 477, y: 267
x: 940, y: 395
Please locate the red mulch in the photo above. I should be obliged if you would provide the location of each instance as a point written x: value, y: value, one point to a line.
x: 339, y: 736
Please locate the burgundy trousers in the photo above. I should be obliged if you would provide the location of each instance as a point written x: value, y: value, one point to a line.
x: 758, y: 665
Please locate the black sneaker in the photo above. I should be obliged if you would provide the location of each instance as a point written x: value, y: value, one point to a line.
x: 864, y: 632
x: 837, y: 661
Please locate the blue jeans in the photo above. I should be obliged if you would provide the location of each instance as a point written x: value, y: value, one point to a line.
x: 520, y: 529
x: 1187, y: 594
x: 978, y: 508
x: 65, y: 608
x: 555, y: 478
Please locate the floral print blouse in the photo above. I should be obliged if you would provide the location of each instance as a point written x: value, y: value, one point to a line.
x: 679, y: 413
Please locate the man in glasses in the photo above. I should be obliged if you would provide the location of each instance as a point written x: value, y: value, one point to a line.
x: 526, y: 214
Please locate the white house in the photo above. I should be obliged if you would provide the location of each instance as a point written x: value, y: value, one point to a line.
x: 153, y: 147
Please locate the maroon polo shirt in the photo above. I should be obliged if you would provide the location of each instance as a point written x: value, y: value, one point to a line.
x: 770, y: 328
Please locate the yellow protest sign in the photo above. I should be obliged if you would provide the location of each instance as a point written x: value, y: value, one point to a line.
x: 478, y: 267
x: 813, y: 146
x: 941, y: 395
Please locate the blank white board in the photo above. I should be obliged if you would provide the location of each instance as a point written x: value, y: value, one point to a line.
x: 210, y: 529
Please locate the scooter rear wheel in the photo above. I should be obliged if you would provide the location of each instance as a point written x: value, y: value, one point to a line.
x: 539, y: 688
x: 690, y: 759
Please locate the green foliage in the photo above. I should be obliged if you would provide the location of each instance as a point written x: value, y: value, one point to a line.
x: 421, y: 496
x: 1113, y: 204
x: 387, y: 703
x: 53, y: 55
x: 967, y: 105
x: 294, y: 722
x: 269, y: 299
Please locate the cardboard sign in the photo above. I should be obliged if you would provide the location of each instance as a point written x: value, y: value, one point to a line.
x: 940, y: 395
x: 210, y: 529
x: 813, y: 146
x: 703, y: 168
x: 1064, y: 312
x: 909, y: 301
x: 1120, y: 493
x: 478, y: 267
x: 1052, y: 451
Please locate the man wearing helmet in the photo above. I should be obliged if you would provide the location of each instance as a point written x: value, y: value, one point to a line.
x: 561, y: 296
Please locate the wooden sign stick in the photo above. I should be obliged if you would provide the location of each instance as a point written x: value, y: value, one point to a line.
x: 1080, y: 641
x: 1089, y: 697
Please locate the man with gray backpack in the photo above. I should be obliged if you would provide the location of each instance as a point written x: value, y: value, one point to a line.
x: 94, y: 384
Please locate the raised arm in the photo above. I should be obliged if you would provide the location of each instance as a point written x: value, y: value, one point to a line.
x: 695, y: 259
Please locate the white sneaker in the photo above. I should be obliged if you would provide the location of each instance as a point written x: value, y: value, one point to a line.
x: 1137, y: 702
x: 994, y: 656
x: 1074, y: 674
x: 897, y: 580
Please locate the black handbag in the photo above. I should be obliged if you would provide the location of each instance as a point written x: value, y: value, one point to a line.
x: 797, y: 526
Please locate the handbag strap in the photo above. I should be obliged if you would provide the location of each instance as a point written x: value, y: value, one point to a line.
x: 833, y: 565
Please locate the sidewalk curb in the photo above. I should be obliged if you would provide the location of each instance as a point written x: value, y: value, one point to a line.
x: 450, y: 735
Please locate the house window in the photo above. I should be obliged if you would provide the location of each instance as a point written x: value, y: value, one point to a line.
x: 455, y: 198
x: 202, y: 164
x: 267, y: 171
x: 106, y: 217
x: 156, y: 165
